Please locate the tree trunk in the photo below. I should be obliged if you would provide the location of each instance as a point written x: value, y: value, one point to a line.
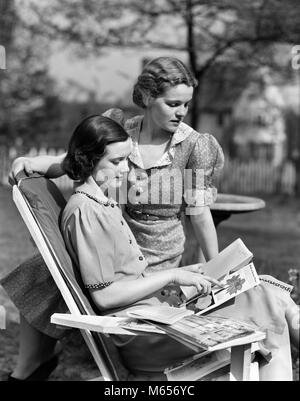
x: 195, y: 112
x: 193, y: 61
x: 196, y: 103
x: 297, y: 180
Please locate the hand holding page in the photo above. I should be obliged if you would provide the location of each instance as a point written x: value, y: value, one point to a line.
x: 232, y: 258
x: 233, y: 270
x: 235, y: 283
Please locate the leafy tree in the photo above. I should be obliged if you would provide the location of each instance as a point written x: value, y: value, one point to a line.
x: 215, y: 34
x: 25, y: 85
x: 239, y: 32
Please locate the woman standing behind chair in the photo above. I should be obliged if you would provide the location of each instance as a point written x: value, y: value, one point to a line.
x: 162, y: 145
x: 163, y: 90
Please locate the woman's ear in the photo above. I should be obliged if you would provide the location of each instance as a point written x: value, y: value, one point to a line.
x: 147, y: 99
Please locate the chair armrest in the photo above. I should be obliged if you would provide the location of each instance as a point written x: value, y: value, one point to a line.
x: 2, y: 318
x: 104, y: 324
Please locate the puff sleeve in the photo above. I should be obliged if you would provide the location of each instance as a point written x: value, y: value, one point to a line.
x: 205, y: 163
x: 89, y: 240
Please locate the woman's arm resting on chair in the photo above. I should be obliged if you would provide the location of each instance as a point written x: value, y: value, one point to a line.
x: 50, y: 166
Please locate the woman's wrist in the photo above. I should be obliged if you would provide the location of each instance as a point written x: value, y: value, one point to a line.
x: 172, y: 276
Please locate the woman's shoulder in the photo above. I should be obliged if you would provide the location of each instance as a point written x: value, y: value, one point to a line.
x: 203, y: 147
x: 196, y: 136
x: 196, y: 141
x: 80, y: 207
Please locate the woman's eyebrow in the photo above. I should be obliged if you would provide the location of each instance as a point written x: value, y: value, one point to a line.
x: 118, y: 157
x: 178, y: 100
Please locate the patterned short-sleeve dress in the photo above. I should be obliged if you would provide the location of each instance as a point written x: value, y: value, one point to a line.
x: 157, y: 196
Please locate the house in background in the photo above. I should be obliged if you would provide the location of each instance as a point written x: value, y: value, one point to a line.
x: 219, y: 91
x: 258, y: 122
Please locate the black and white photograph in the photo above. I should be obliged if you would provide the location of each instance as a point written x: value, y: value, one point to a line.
x: 149, y: 157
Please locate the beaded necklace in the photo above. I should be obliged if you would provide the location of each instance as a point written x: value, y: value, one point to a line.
x: 105, y: 203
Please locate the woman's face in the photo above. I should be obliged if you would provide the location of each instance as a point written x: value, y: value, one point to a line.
x: 169, y: 109
x: 110, y: 170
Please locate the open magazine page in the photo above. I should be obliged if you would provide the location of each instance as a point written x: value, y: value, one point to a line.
x: 234, y: 284
x: 161, y: 313
x: 232, y: 258
x: 138, y: 325
x: 199, y: 366
x: 207, y: 332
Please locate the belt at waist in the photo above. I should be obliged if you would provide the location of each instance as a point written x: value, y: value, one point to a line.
x: 138, y: 215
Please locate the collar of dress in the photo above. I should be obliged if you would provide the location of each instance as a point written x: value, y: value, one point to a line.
x: 133, y: 128
x: 91, y: 189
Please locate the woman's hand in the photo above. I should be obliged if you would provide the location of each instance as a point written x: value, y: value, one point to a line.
x: 21, y: 163
x: 50, y: 166
x: 200, y: 281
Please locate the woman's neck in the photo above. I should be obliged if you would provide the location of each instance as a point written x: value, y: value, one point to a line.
x: 91, y: 186
x: 151, y: 132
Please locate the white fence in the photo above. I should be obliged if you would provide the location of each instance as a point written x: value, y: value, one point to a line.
x: 8, y: 155
x: 237, y: 177
x: 257, y: 176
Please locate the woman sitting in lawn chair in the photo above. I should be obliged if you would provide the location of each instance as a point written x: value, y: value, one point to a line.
x: 103, y: 247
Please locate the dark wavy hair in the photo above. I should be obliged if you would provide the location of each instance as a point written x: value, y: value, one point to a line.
x: 88, y: 145
x: 159, y: 75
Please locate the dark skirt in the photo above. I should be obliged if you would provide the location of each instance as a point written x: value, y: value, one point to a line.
x: 32, y: 289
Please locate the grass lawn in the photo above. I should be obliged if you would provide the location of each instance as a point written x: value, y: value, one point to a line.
x: 272, y: 234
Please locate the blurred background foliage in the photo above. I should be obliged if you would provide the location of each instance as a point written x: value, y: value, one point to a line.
x: 239, y: 50
x: 226, y: 43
